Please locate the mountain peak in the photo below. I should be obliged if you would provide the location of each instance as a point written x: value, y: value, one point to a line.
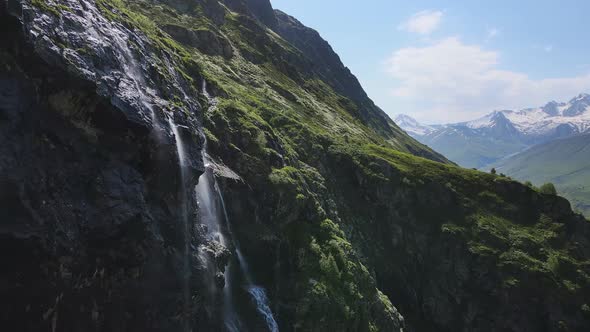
x: 551, y: 108
x: 489, y: 120
x: 406, y: 119
x: 498, y: 115
x: 579, y: 105
x: 412, y: 126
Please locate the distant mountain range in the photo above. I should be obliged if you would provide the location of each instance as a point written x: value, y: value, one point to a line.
x: 484, y: 141
x: 545, y: 144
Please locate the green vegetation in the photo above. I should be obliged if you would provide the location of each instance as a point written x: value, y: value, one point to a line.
x: 548, y: 188
x: 340, y: 292
x: 53, y: 7
x: 564, y: 162
x: 352, y: 204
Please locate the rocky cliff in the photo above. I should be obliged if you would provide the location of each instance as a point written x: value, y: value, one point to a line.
x: 110, y: 112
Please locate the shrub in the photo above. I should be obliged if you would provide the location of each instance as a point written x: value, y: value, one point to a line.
x: 548, y: 188
x: 493, y: 171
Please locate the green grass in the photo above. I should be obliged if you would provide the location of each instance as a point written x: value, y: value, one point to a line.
x: 326, y: 179
x: 311, y: 107
x: 564, y: 162
x: 53, y: 7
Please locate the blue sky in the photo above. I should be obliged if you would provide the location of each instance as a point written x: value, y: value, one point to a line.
x: 447, y: 61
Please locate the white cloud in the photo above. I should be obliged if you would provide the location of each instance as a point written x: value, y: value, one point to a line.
x: 449, y: 80
x: 548, y: 48
x: 424, y: 22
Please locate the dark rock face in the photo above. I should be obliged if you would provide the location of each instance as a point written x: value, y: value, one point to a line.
x: 89, y: 181
x: 564, y: 130
x: 260, y: 9
x: 263, y: 10
x: 552, y: 108
x: 579, y: 105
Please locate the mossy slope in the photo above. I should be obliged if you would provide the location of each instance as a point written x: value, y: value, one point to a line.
x: 336, y: 204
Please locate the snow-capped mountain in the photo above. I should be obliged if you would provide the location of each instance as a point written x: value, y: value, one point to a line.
x: 495, y: 124
x: 411, y: 126
x: 500, y: 134
x: 563, y: 119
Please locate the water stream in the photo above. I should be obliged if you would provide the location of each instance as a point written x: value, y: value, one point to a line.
x: 214, y: 215
x: 144, y: 95
x: 184, y: 215
x: 98, y: 27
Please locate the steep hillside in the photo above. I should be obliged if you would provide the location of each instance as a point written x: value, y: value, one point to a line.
x: 211, y: 165
x: 565, y: 162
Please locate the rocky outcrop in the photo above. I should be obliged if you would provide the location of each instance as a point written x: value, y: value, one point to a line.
x: 204, y: 40
x: 260, y: 9
x: 90, y: 185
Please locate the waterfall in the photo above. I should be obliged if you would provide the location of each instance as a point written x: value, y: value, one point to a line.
x: 132, y: 77
x: 134, y: 71
x: 136, y: 85
x: 261, y: 300
x: 210, y: 199
x: 180, y: 150
x: 257, y: 293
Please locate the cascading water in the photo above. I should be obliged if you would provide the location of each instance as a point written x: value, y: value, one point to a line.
x: 121, y: 72
x: 181, y: 152
x: 257, y: 293
x: 134, y: 72
x: 261, y: 300
x: 210, y: 200
x: 117, y: 42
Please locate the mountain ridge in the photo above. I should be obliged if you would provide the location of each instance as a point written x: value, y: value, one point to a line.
x: 480, y: 142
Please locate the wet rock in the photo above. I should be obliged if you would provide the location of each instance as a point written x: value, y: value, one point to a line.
x: 90, y: 182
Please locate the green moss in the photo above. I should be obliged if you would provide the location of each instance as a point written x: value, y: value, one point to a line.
x: 511, y: 282
x: 482, y: 249
x: 521, y: 261
x: 335, y: 282
x: 571, y: 286
x: 52, y: 8
x: 210, y: 137
x: 318, y: 168
x: 453, y: 229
